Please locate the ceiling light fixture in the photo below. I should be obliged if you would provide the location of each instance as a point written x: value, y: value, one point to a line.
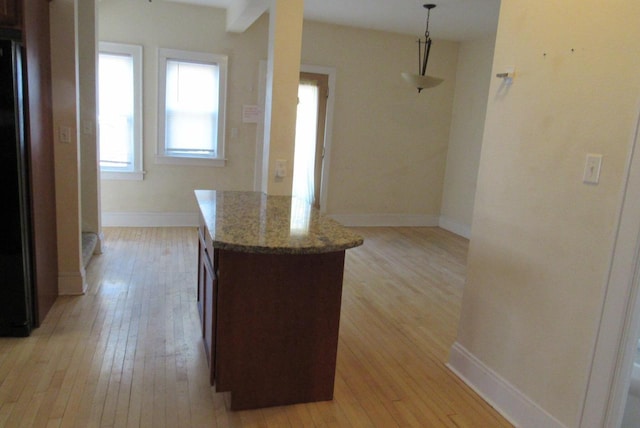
x: 421, y: 80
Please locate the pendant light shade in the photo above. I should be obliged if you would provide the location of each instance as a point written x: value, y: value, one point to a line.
x: 420, y: 80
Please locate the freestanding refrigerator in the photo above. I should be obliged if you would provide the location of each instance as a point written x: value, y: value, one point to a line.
x: 16, y: 276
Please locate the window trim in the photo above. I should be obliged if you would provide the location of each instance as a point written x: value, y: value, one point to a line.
x: 135, y: 51
x: 199, y: 58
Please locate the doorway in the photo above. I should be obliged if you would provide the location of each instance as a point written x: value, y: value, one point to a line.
x: 262, y: 151
x: 313, y: 92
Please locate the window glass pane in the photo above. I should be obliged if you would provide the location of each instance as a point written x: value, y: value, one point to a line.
x: 191, y: 104
x: 304, y: 159
x: 115, y: 109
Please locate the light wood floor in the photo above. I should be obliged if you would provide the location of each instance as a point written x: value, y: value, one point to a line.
x: 129, y: 352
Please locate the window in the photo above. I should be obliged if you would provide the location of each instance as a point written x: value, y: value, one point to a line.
x: 192, y: 96
x: 120, y: 110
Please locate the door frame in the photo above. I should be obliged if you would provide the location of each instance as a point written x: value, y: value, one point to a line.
x: 328, y: 128
x: 619, y: 324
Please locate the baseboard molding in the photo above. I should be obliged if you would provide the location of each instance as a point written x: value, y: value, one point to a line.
x: 71, y: 283
x: 98, y: 249
x: 461, y: 229
x: 385, y: 220
x: 149, y: 219
x: 516, y: 407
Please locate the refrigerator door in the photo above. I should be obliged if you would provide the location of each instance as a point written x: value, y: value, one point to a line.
x: 16, y: 307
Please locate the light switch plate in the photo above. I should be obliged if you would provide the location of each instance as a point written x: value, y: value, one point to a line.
x: 281, y: 168
x: 64, y: 134
x: 592, y: 168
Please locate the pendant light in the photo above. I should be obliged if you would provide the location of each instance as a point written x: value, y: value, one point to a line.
x: 421, y: 80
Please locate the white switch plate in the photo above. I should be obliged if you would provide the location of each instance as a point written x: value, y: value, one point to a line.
x: 281, y: 168
x: 64, y: 133
x: 87, y: 127
x: 592, y: 168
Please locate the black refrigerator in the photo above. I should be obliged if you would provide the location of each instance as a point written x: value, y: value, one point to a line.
x: 16, y: 276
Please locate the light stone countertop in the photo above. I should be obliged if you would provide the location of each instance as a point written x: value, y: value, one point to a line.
x: 259, y: 223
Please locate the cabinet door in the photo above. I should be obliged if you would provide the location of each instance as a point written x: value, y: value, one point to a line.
x: 201, y: 280
x: 10, y: 13
x: 210, y: 304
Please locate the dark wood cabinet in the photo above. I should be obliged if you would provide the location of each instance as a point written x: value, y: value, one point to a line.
x: 201, y: 279
x: 278, y: 318
x: 33, y: 17
x: 269, y: 298
x: 207, y: 298
x: 210, y: 299
x: 27, y: 24
x: 10, y: 13
x: 269, y: 323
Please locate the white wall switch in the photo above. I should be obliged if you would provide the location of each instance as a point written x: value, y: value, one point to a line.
x: 87, y: 127
x: 592, y: 168
x: 281, y: 168
x: 64, y: 134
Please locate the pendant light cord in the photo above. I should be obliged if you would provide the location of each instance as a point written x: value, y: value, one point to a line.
x: 427, y: 45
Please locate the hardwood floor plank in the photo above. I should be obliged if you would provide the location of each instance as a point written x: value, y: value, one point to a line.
x: 129, y: 352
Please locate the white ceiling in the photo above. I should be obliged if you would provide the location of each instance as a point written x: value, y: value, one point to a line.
x: 450, y: 20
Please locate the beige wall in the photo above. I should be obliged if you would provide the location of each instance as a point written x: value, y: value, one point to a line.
x: 389, y: 143
x: 541, y: 239
x: 87, y: 108
x: 67, y: 155
x: 169, y: 188
x: 473, y: 76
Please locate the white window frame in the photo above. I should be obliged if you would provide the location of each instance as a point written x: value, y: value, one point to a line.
x: 135, y: 51
x: 199, y: 58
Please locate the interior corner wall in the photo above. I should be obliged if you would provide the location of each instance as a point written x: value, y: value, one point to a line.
x: 87, y: 111
x: 66, y: 154
x: 542, y: 239
x: 283, y: 76
x: 475, y: 60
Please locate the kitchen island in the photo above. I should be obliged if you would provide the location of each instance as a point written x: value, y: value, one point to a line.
x: 269, y: 295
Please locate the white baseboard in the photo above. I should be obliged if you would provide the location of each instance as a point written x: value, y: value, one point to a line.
x: 461, y: 229
x: 148, y: 219
x: 98, y: 249
x: 71, y: 283
x: 151, y: 219
x: 515, y: 406
x: 385, y: 220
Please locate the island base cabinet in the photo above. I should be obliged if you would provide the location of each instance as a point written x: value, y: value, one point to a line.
x: 201, y: 280
x: 209, y: 330
x: 276, y: 328
x: 207, y: 301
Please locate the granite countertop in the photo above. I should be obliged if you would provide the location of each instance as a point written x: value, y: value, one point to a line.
x: 259, y: 223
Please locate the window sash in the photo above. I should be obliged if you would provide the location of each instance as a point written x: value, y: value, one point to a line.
x: 191, y: 133
x: 120, y: 108
x: 191, y: 115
